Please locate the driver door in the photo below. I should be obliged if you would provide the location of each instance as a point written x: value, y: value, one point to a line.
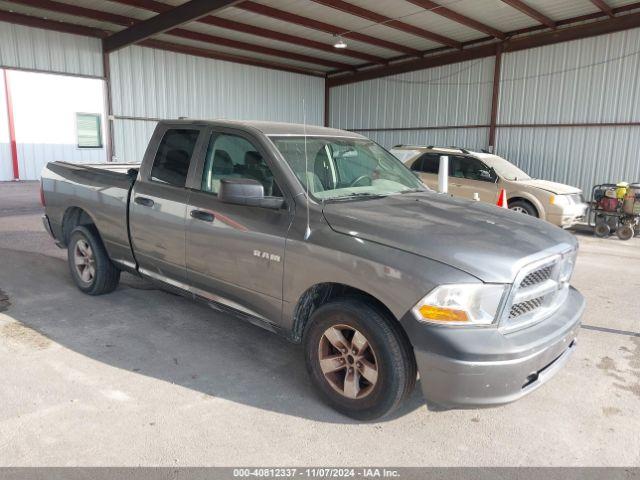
x: 235, y: 253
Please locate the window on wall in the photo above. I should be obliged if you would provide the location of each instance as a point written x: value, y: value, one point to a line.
x: 89, y: 130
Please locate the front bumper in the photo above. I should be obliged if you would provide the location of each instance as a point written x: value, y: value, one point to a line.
x: 568, y: 216
x: 481, y: 367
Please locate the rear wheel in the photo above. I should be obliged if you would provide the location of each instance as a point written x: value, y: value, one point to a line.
x: 90, y: 266
x: 359, y: 361
x: 523, y: 207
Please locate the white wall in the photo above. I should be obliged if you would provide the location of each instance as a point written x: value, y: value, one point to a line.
x: 44, y: 50
x: 155, y: 84
x: 44, y: 110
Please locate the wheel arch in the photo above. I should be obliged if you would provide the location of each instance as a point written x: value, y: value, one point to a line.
x: 321, y: 293
x: 531, y: 200
x: 73, y: 217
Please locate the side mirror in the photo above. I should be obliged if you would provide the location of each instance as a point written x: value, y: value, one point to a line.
x: 246, y: 191
x: 488, y: 176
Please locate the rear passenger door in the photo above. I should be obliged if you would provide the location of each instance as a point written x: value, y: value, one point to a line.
x: 159, y: 202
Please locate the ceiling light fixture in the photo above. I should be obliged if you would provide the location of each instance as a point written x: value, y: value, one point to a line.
x: 339, y: 43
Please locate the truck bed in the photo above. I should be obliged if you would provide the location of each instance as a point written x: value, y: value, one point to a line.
x: 100, y: 191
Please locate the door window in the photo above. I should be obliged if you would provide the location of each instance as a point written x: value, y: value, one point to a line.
x: 430, y: 163
x: 171, y: 164
x: 472, y: 169
x: 232, y: 156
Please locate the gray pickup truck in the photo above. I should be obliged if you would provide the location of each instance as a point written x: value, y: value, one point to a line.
x: 322, y: 236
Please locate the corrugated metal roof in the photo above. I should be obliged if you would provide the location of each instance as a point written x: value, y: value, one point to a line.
x: 494, y: 13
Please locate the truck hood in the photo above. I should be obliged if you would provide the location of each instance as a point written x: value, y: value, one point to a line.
x: 553, y: 187
x: 487, y: 242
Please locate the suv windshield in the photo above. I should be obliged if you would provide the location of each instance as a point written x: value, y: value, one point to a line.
x: 345, y: 167
x: 504, y: 168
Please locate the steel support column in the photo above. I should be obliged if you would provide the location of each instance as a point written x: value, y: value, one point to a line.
x: 495, y: 98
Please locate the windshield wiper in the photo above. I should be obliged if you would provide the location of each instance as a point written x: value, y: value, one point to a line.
x: 357, y: 195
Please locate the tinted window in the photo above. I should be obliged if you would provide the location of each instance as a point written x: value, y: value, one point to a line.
x: 431, y: 163
x: 231, y: 156
x: 417, y: 165
x: 171, y: 164
x: 469, y: 168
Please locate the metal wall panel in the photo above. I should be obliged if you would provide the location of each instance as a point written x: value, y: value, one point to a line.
x: 579, y: 156
x: 155, y: 84
x: 589, y: 80
x: 47, y: 51
x: 458, y: 94
x: 131, y: 138
x: 474, y: 138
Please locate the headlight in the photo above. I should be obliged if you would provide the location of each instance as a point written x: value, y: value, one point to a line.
x: 567, y: 264
x: 461, y: 304
x: 561, y: 200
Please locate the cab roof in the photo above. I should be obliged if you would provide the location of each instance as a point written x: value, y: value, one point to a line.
x: 275, y: 128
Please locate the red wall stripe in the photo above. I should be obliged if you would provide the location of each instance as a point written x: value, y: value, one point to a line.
x: 12, y: 128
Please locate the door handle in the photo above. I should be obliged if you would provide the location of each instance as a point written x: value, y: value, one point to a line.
x: 202, y: 215
x: 144, y: 201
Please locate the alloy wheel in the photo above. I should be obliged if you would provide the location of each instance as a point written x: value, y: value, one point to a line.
x: 348, y: 361
x: 519, y: 210
x: 84, y: 261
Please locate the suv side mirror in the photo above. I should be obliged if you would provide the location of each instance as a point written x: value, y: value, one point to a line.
x: 488, y: 175
x: 247, y: 191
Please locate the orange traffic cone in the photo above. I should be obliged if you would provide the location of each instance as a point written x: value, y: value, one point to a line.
x: 502, y: 199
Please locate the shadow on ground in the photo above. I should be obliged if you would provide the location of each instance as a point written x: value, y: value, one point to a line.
x: 166, y: 337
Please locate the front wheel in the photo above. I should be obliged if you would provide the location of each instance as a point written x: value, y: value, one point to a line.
x: 523, y: 207
x: 90, y: 265
x: 359, y: 361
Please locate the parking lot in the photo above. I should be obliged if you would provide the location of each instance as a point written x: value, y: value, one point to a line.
x: 143, y: 377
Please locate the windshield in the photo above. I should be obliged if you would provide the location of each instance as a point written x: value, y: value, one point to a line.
x: 345, y: 167
x: 504, y: 168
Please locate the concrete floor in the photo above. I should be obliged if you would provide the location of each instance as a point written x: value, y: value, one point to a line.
x: 142, y: 377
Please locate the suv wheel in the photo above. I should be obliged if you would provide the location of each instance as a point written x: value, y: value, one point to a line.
x: 359, y: 361
x: 90, y: 266
x: 526, y: 208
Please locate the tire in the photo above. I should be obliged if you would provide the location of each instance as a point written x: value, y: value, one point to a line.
x: 96, y: 275
x: 602, y: 230
x: 386, y: 349
x: 523, y: 207
x: 625, y: 232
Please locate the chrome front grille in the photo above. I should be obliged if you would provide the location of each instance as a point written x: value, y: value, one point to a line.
x: 538, y: 290
x: 523, y: 308
x: 537, y: 276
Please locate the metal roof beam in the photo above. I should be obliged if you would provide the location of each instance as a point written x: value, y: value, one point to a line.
x: 602, y: 5
x: 389, y: 22
x: 65, y: 27
x: 610, y: 25
x: 159, y: 7
x: 183, y: 33
x: 531, y: 12
x: 162, y: 22
x: 459, y: 18
x: 268, y: 11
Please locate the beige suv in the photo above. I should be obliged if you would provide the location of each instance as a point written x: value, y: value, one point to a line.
x: 486, y: 174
